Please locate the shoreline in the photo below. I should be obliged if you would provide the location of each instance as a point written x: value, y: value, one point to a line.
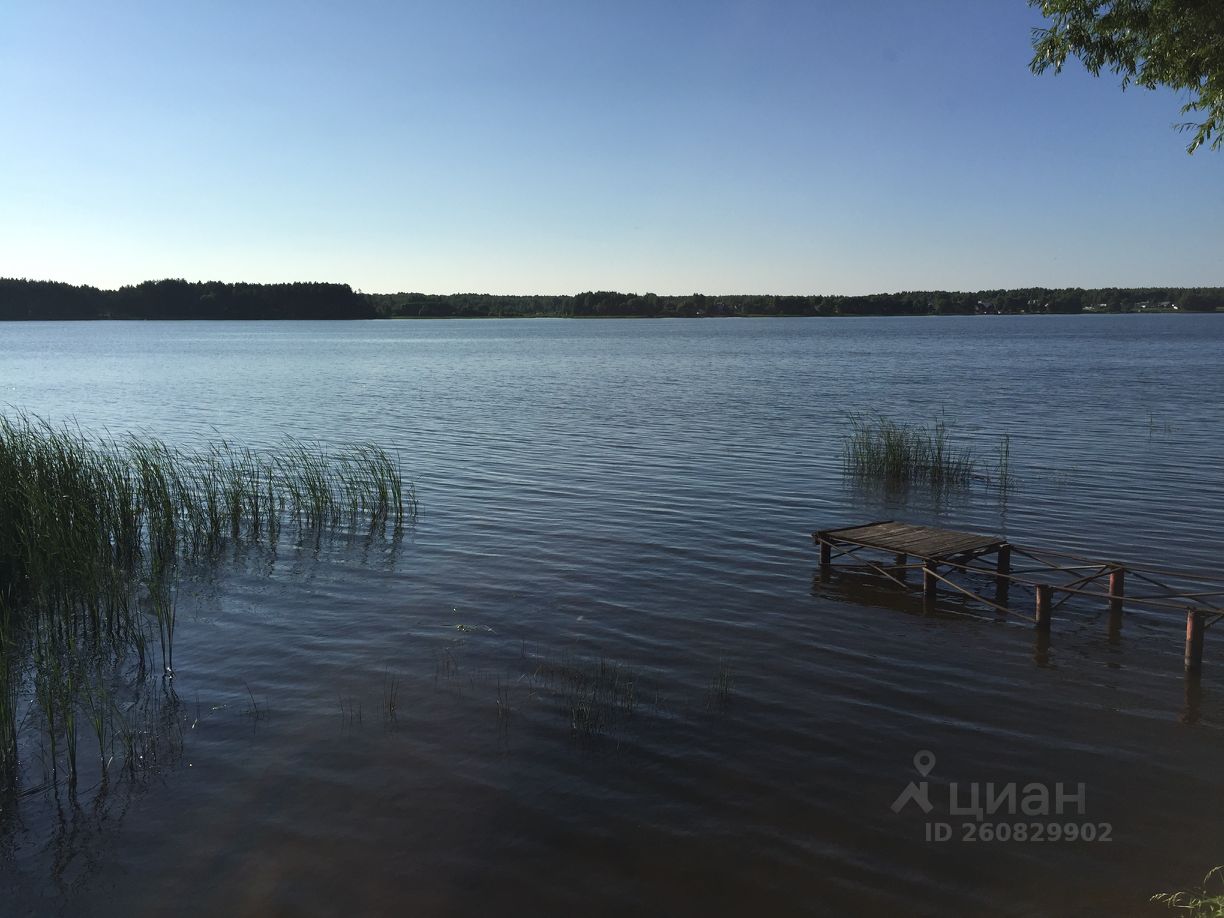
x: 580, y: 318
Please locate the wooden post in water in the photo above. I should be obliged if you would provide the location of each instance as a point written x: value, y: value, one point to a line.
x: 1002, y: 574
x: 1041, y: 649
x: 929, y: 582
x: 1117, y: 589
x: 1196, y: 620
x: 826, y: 556
x: 1193, y: 706
x: 1043, y: 606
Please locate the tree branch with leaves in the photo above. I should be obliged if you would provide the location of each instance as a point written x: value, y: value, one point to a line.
x: 1150, y: 43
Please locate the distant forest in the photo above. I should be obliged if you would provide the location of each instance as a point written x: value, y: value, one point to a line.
x: 180, y: 299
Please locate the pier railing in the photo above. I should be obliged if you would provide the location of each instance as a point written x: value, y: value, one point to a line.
x: 961, y: 561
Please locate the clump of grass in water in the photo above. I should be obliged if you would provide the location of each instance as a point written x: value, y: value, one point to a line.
x: 1200, y: 904
x: 596, y: 695
x: 882, y: 449
x: 720, y: 687
x: 1006, y: 479
x: 255, y: 712
x: 503, y: 704
x: 390, y: 697
x: 9, y: 676
x: 85, y: 523
x: 350, y: 711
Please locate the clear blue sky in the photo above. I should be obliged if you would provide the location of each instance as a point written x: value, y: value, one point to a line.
x: 747, y: 146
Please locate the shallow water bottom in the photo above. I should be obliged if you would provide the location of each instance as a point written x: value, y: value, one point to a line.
x: 336, y: 741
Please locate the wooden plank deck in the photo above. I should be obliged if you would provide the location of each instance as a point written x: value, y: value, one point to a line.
x: 944, y: 554
x: 926, y: 542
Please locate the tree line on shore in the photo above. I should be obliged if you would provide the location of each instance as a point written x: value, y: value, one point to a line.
x: 180, y: 299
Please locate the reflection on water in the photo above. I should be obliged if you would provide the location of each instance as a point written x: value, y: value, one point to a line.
x: 57, y: 831
x: 602, y: 674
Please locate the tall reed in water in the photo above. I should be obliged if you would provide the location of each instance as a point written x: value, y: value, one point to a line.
x: 1200, y: 903
x: 886, y: 450
x: 8, y: 705
x: 87, y: 525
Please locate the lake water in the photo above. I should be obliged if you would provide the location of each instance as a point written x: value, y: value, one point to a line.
x: 642, y: 494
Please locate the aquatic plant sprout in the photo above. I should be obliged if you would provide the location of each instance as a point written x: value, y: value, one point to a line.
x: 93, y: 533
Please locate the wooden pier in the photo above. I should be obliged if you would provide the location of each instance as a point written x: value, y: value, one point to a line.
x: 965, y: 562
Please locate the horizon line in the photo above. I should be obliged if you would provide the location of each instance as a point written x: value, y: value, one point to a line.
x: 363, y: 292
